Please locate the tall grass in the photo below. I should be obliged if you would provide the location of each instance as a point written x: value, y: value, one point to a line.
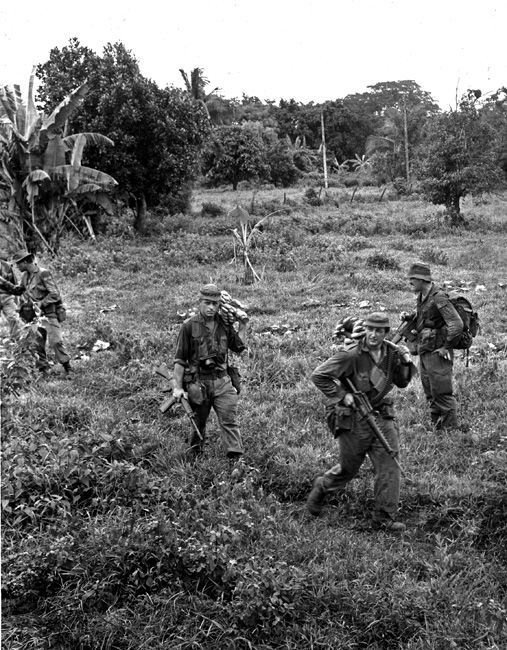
x: 112, y: 540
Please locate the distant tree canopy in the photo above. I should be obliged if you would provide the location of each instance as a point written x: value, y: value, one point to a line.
x: 158, y: 133
x: 458, y: 157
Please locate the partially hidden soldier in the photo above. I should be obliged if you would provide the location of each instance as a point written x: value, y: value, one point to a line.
x: 42, y: 295
x: 374, y: 367
x: 201, y: 372
x: 9, y: 288
x: 437, y: 325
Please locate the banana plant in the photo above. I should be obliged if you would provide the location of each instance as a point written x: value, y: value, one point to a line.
x: 42, y: 188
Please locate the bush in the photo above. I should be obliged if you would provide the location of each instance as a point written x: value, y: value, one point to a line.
x: 212, y: 210
x: 382, y: 261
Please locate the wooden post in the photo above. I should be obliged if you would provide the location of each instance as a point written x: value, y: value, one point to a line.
x: 407, y: 161
x: 324, y: 159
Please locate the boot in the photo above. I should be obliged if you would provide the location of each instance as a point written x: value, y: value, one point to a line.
x: 316, y: 498
x: 68, y: 370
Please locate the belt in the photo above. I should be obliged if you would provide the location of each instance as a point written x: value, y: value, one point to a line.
x: 216, y: 374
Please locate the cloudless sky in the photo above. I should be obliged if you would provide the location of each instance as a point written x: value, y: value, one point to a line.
x: 307, y: 51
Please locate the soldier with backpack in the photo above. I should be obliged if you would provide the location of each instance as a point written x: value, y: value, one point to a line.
x: 439, y: 330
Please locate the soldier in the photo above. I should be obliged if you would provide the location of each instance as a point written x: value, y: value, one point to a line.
x: 374, y: 367
x: 8, y: 289
x: 42, y: 294
x: 437, y: 324
x: 200, y: 369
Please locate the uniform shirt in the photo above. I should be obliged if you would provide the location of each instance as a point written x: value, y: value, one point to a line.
x: 41, y: 287
x: 355, y: 362
x: 436, y: 311
x: 187, y: 353
x: 7, y: 278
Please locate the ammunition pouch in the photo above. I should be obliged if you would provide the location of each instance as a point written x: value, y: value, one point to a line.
x: 386, y: 410
x: 235, y: 376
x: 340, y: 419
x: 27, y: 312
x: 61, y: 313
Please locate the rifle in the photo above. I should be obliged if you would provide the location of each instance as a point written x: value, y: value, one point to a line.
x: 367, y: 412
x: 407, y: 330
x: 163, y: 371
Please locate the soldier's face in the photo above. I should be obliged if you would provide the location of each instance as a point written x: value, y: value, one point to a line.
x: 375, y: 336
x: 416, y: 284
x: 208, y: 308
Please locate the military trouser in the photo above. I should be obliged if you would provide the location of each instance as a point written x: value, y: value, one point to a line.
x: 50, y: 330
x: 354, y: 445
x: 9, y: 309
x: 223, y: 398
x: 436, y: 378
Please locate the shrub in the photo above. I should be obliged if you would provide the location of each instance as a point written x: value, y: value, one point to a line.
x: 434, y: 256
x: 382, y: 261
x: 312, y: 197
x: 212, y: 210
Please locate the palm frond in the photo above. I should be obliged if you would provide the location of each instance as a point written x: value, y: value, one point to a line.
x: 375, y: 143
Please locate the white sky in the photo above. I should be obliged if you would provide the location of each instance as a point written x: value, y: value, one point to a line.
x: 309, y: 51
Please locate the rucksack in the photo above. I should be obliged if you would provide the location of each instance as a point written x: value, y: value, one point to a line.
x: 470, y: 320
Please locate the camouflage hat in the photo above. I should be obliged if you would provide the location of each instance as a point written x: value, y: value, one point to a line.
x: 210, y: 292
x: 377, y: 319
x: 21, y: 255
x: 420, y: 271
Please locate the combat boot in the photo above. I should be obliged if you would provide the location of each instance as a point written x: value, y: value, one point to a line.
x: 316, y: 498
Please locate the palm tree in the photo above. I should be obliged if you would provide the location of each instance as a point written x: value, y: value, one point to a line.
x: 218, y: 110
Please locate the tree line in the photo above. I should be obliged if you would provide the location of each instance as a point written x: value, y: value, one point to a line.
x: 153, y: 143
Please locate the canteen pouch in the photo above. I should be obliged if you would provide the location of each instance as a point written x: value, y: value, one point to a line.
x: 235, y: 376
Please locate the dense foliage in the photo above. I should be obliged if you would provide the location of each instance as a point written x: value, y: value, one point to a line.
x: 158, y: 132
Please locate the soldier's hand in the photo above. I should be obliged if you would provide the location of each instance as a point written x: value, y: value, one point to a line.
x: 407, y: 315
x: 348, y: 400
x: 443, y: 353
x: 404, y: 352
x: 178, y: 393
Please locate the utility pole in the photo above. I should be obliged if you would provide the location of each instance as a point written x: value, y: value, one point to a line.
x: 324, y: 159
x: 407, y: 160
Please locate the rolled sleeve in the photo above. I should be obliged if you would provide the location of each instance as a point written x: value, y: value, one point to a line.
x: 331, y: 371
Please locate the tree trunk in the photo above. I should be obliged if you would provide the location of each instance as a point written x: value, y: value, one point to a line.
x: 140, y: 220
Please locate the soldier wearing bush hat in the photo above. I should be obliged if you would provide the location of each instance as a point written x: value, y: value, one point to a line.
x: 42, y: 297
x: 374, y: 367
x: 201, y: 371
x: 437, y: 324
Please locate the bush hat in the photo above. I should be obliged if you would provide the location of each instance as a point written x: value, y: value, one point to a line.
x: 20, y: 255
x: 420, y: 271
x: 210, y: 292
x: 377, y: 319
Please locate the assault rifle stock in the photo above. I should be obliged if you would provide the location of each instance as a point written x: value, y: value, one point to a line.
x: 367, y: 412
x: 163, y: 371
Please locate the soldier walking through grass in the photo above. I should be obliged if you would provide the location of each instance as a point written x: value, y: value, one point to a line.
x: 201, y: 371
x: 41, y: 295
x: 373, y: 367
x: 9, y: 288
x: 438, y: 324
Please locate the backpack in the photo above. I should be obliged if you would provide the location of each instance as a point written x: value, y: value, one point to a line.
x: 470, y: 320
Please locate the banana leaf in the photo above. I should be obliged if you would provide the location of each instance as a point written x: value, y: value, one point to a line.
x: 91, y: 138
x: 83, y: 175
x: 54, y: 155
x: 64, y: 110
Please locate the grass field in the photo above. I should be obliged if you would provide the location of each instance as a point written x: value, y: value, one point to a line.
x: 112, y: 541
